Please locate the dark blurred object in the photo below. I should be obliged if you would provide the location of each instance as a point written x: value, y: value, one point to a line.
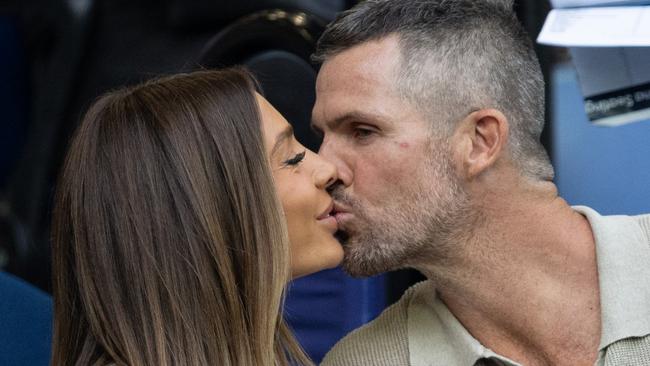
x: 26, y: 318
x: 14, y: 247
x: 54, y: 34
x: 14, y: 84
x: 207, y: 13
x: 275, y: 45
x: 399, y: 281
x: 77, y: 50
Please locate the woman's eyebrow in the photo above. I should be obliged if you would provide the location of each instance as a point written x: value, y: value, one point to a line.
x: 286, y: 134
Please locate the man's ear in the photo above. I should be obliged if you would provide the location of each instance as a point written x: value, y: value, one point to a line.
x: 480, y: 140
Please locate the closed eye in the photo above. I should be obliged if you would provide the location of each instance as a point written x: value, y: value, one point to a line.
x: 295, y: 160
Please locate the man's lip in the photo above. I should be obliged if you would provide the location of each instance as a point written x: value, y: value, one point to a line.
x: 342, y: 214
x: 340, y: 208
x: 327, y: 213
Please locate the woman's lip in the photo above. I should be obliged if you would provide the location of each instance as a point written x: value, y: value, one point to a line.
x: 327, y: 218
x: 330, y: 222
x: 327, y: 212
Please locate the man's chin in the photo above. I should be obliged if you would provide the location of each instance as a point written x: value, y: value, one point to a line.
x: 360, y: 267
x: 366, y: 256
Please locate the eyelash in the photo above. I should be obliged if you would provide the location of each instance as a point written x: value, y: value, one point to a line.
x: 297, y: 159
x: 362, y: 133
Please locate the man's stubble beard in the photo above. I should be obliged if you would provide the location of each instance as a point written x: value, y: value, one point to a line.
x: 416, y: 224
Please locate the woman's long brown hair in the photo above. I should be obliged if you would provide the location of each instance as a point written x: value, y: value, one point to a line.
x: 169, y: 245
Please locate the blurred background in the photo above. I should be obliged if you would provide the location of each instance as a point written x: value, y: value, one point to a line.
x: 57, y: 56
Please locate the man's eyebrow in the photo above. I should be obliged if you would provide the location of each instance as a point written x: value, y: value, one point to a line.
x: 351, y: 116
x: 283, y: 136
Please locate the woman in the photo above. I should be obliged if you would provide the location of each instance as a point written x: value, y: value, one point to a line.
x: 172, y: 222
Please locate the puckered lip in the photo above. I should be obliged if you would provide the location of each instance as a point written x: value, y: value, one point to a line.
x: 329, y: 211
x: 340, y: 208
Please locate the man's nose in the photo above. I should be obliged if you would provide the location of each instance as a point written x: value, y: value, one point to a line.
x: 325, y: 173
x: 336, y: 155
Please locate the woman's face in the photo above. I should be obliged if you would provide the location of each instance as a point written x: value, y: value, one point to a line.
x: 301, y: 178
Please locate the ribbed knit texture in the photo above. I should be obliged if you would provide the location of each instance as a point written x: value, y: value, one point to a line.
x: 629, y: 352
x: 632, y: 351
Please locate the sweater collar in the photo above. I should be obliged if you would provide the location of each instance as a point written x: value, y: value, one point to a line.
x: 436, y: 337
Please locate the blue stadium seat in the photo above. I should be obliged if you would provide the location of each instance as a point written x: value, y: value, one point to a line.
x: 325, y: 306
x: 25, y: 323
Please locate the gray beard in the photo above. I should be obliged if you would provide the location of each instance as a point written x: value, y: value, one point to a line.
x: 414, y: 227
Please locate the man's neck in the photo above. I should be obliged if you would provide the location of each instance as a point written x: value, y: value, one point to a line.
x: 525, y: 283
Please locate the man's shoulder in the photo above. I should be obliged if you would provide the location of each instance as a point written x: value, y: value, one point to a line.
x: 643, y: 222
x: 638, y: 224
x: 383, y: 341
x: 642, y: 219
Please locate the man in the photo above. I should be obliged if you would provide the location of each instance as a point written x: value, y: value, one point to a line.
x: 432, y: 112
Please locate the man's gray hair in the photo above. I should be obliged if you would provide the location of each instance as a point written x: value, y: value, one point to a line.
x: 457, y: 56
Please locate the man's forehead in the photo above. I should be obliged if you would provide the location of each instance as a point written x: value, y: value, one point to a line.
x: 356, y: 81
x: 369, y: 64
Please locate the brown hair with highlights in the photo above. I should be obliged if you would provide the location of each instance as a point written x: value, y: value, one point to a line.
x: 169, y: 243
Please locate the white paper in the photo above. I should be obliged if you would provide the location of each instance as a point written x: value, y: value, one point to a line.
x: 623, y: 26
x: 615, y: 83
x: 585, y: 3
x: 610, y: 48
x: 601, y: 70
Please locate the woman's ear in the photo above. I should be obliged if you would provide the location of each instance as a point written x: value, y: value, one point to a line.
x: 479, y: 141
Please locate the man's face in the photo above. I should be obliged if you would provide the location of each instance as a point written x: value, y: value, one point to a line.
x: 399, y: 194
